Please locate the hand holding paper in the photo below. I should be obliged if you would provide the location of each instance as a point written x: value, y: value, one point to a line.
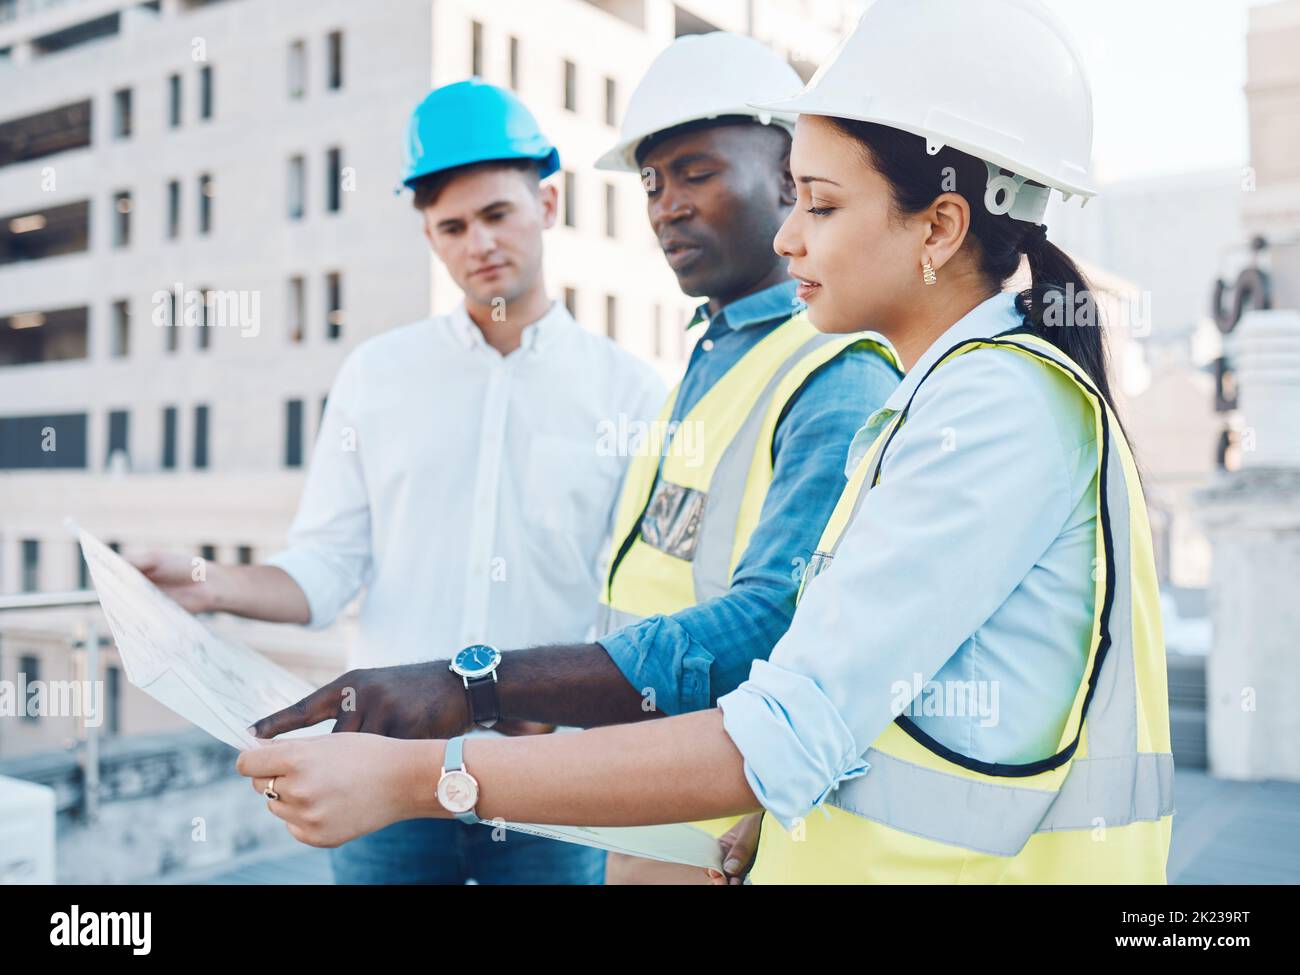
x: 215, y: 683
x: 224, y: 687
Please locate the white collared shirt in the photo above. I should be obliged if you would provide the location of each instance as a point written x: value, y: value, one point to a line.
x: 470, y: 493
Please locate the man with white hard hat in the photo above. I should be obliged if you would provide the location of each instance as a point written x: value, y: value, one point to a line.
x: 715, y: 526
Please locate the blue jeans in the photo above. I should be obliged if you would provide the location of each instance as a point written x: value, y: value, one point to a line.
x: 443, y: 851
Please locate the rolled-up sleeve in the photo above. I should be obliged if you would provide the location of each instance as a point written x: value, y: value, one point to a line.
x: 329, y: 553
x: 972, y: 492
x: 692, y: 657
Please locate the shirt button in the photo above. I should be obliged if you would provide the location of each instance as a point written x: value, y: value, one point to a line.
x: 707, y: 345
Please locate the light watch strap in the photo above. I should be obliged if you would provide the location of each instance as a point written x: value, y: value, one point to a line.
x: 454, y: 760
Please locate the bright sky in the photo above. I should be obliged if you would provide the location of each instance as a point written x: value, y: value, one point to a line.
x: 1168, y: 78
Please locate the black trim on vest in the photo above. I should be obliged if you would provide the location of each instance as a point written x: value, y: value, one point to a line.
x: 1022, y: 770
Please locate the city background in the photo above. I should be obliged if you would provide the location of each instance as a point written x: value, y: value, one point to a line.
x: 249, y: 150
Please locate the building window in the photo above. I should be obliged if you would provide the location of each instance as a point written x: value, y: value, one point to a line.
x: 514, y: 63
x: 205, y: 203
x: 204, y: 330
x: 571, y: 301
x: 611, y: 316
x: 570, y: 199
x: 200, y: 438
x: 122, y: 114
x: 297, y: 317
x: 297, y: 69
x: 31, y: 568
x: 119, y: 340
x: 293, y: 433
x: 297, y: 187
x: 244, y: 555
x: 25, y: 442
x: 172, y: 330
x: 47, y: 232
x: 174, y: 101
x: 333, y: 305
x: 169, y: 438
x: 334, y: 70
x: 42, y: 335
x: 205, y: 91
x: 611, y: 210
x: 570, y: 86
x: 611, y: 102
x: 475, y: 48
x: 122, y: 219
x: 29, y: 666
x: 173, y: 209
x: 118, y: 436
x: 208, y: 553
x: 113, y: 693
x: 334, y: 180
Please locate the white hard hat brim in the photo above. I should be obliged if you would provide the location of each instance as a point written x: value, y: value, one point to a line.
x: 808, y: 103
x: 622, y: 158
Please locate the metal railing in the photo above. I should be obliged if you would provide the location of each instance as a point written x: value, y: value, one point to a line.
x: 86, y: 651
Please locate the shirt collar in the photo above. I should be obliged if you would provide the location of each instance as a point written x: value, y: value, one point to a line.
x: 776, y: 301
x: 534, y: 338
x: 990, y: 317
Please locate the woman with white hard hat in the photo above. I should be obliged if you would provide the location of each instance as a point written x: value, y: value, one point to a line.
x: 973, y: 688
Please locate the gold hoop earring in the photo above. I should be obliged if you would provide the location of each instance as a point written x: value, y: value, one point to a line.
x: 927, y: 273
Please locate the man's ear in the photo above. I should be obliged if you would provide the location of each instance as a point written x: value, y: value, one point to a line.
x: 424, y: 226
x: 549, y: 197
x: 789, y: 195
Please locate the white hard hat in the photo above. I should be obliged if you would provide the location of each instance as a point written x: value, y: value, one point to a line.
x: 702, y: 76
x: 998, y: 79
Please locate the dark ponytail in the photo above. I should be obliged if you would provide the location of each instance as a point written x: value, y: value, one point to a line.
x: 1058, y: 304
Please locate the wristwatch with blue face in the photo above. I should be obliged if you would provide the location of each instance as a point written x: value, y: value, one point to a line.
x: 477, y: 667
x: 457, y: 789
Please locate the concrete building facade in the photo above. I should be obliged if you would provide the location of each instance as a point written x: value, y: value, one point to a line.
x: 198, y: 222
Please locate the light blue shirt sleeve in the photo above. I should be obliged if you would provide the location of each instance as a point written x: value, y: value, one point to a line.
x: 975, y: 488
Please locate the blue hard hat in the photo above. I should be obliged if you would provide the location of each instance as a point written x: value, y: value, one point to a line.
x: 469, y: 122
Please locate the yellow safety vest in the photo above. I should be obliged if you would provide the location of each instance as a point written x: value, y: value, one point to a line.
x: 1098, y: 811
x: 681, y: 528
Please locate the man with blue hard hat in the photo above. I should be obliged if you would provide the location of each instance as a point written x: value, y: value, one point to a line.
x: 471, y: 122
x: 458, y: 477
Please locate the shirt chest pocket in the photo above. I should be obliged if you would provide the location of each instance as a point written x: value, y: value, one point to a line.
x: 569, y: 487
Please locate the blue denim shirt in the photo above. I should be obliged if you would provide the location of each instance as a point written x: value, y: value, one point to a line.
x: 693, y: 657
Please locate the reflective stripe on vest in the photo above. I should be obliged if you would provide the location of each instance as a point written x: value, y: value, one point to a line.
x: 1113, y: 766
x: 682, y: 524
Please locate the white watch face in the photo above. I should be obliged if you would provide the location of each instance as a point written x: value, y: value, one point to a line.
x: 457, y: 791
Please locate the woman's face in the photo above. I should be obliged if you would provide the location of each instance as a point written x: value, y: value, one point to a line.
x: 858, y: 263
